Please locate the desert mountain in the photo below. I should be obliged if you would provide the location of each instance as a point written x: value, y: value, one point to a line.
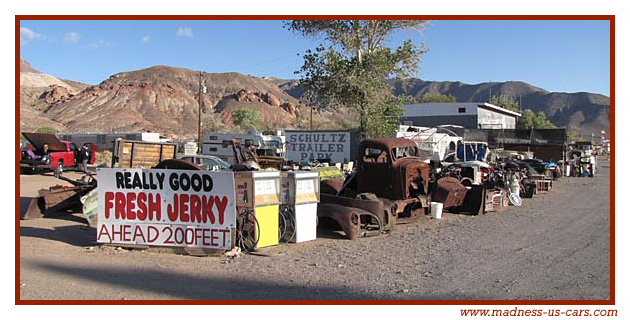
x: 164, y: 99
x: 37, y: 91
x: 587, y: 111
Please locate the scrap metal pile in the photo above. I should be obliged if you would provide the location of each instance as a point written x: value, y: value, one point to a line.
x: 392, y: 182
x: 392, y: 185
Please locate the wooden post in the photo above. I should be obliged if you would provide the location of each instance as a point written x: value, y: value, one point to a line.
x: 199, y: 119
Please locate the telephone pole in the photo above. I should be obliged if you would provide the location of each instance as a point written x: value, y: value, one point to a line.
x: 199, y: 142
x: 490, y: 94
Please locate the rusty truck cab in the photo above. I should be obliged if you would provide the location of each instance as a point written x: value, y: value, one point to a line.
x: 390, y: 168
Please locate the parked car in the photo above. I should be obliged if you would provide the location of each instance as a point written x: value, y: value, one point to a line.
x: 210, y: 163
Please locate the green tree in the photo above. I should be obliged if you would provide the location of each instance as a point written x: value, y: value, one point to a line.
x: 506, y: 102
x: 438, y: 97
x: 353, y: 71
x: 529, y: 120
x: 214, y: 123
x: 246, y: 119
x: 46, y: 130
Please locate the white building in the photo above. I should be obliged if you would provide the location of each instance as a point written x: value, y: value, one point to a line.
x: 473, y: 115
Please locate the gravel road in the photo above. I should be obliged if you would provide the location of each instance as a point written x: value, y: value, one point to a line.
x: 556, y: 246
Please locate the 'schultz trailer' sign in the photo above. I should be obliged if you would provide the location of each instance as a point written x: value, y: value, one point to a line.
x: 313, y: 145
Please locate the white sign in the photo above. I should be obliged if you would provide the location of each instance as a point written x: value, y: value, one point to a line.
x: 190, y: 148
x: 311, y: 145
x: 179, y: 208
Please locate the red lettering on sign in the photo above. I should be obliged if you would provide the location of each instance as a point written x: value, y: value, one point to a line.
x: 180, y: 232
x: 183, y: 207
x: 114, y: 232
x: 172, y: 209
x: 126, y: 232
x: 131, y: 205
x: 205, y: 237
x: 197, y: 230
x: 224, y: 231
x: 170, y: 234
x: 109, y: 197
x: 103, y: 231
x: 155, y: 230
x: 195, y: 208
x: 155, y: 207
x: 192, y: 238
x: 138, y: 232
x: 212, y: 237
x: 120, y: 205
x: 142, y: 207
x: 206, y: 203
x: 221, y: 204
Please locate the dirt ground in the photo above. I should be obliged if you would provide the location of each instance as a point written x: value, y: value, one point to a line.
x: 556, y: 246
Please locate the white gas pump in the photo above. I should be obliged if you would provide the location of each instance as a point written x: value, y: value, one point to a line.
x: 298, y: 212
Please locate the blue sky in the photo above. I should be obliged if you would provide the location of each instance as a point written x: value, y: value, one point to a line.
x: 562, y: 56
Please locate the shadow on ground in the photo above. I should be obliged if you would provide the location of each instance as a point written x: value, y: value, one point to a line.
x: 76, y: 235
x: 173, y: 285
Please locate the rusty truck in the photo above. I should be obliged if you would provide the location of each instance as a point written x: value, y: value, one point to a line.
x: 391, y: 183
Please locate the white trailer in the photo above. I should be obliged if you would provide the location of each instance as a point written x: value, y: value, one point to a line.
x: 266, y: 145
x: 105, y: 141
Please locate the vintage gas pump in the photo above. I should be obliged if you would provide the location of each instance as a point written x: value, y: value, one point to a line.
x: 298, y: 212
x: 257, y: 202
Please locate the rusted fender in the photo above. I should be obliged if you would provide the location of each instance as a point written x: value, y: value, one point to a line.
x: 369, y: 203
x: 348, y: 218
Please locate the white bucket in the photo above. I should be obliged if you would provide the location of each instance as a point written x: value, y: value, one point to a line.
x: 436, y: 210
x: 568, y: 173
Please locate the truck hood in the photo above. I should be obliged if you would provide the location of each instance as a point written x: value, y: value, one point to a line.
x: 38, y: 140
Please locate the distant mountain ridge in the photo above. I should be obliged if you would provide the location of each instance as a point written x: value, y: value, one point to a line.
x: 589, y: 112
x: 164, y: 99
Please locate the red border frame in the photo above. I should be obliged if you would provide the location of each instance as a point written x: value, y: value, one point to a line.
x: 610, y: 18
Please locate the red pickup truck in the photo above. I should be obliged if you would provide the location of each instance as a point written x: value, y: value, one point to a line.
x: 48, y: 152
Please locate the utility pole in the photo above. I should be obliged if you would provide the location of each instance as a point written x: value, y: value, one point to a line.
x: 199, y: 142
x: 311, y: 118
x: 490, y: 97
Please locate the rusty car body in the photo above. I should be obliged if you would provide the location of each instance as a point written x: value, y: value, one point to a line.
x: 391, y: 184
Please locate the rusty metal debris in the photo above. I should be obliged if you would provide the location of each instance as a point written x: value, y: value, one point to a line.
x: 56, y: 201
x: 60, y: 200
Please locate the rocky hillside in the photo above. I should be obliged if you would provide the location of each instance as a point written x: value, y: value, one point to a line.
x: 37, y: 91
x: 164, y: 99
x: 588, y: 111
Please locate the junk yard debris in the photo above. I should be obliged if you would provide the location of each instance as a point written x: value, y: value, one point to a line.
x: 396, y: 180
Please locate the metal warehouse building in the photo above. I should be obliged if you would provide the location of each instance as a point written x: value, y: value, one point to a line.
x: 474, y: 115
